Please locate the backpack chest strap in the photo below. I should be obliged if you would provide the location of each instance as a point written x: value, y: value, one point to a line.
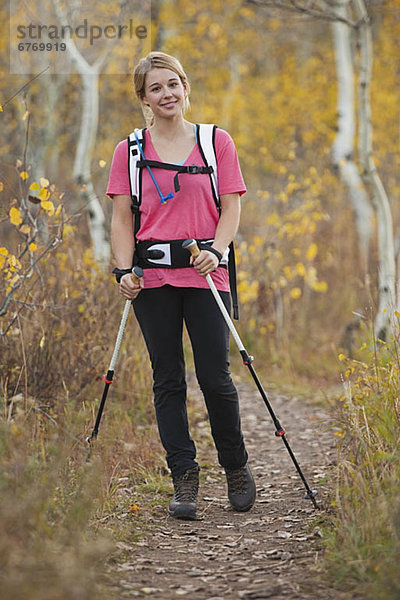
x: 191, y: 169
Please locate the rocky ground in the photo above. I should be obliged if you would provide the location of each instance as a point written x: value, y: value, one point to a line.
x: 273, y: 551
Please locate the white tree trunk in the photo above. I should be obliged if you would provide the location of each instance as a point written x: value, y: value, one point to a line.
x: 343, y: 145
x: 87, y: 137
x: 384, y: 319
x: 84, y: 153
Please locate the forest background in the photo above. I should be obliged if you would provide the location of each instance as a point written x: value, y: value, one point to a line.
x: 310, y: 264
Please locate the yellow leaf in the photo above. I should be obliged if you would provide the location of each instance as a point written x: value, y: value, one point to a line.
x: 14, y: 262
x: 44, y: 182
x: 300, y: 269
x: 320, y: 286
x: 134, y: 507
x: 15, y: 216
x: 68, y: 231
x: 341, y: 357
x: 14, y: 429
x: 295, y: 293
x: 1, y: 186
x: 34, y: 186
x: 3, y: 251
x: 44, y: 194
x: 102, y: 163
x: 288, y: 272
x: 283, y: 196
x: 26, y: 114
x: 48, y: 206
x: 11, y: 283
x: 24, y: 175
x: 312, y: 251
x: 32, y: 247
x: 311, y: 277
x: 1, y: 108
x: 273, y: 219
x: 25, y: 229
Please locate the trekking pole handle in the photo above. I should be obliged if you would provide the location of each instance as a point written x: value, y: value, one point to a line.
x: 137, y: 274
x: 192, y: 246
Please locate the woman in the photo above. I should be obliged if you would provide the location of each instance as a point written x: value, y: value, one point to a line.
x: 168, y: 297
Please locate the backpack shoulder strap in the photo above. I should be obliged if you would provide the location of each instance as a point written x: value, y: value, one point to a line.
x: 133, y: 159
x: 205, y: 134
x: 135, y: 174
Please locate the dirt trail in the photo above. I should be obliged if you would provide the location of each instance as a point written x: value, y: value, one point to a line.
x: 268, y: 552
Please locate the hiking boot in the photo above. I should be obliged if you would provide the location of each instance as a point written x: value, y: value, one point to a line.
x: 241, y: 488
x: 183, y: 504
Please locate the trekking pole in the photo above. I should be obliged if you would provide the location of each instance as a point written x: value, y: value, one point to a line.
x: 137, y: 273
x: 193, y: 248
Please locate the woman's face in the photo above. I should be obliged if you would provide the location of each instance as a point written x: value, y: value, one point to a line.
x: 164, y: 93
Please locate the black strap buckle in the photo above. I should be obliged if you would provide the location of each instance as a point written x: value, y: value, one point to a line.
x: 134, y: 205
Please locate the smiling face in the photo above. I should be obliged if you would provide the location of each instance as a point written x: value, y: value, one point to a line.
x: 164, y: 93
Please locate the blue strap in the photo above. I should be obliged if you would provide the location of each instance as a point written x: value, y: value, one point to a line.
x: 163, y: 198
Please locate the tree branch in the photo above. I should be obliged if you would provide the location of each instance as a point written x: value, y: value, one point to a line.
x: 322, y: 12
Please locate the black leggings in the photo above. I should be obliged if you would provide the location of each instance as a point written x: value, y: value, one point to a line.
x: 161, y: 313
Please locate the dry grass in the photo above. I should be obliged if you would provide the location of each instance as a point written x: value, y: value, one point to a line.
x: 363, y: 540
x: 53, y: 503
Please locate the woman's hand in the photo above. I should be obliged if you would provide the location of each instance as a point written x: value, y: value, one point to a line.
x: 205, y: 263
x: 129, y: 287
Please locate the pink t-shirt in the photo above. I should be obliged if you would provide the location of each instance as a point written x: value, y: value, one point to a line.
x: 192, y: 212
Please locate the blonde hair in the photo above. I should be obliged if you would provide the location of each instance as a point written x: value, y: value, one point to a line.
x: 158, y: 60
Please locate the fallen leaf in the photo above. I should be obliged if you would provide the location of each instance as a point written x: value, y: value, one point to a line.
x: 283, y: 534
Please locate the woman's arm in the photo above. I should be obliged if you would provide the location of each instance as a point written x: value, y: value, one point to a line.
x: 226, y: 230
x: 122, y: 240
x: 123, y: 244
x: 228, y: 223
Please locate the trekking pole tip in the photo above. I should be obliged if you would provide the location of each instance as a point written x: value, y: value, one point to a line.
x: 92, y: 437
x: 311, y: 495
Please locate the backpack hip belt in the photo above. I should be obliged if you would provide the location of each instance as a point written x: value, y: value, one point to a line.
x: 169, y: 254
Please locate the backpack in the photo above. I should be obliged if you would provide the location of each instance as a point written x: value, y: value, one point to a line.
x: 205, y: 138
